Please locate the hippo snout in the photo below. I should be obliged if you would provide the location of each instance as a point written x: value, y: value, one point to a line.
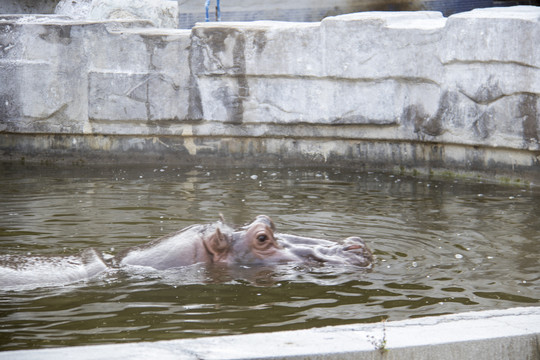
x: 351, y: 251
x: 356, y: 252
x: 354, y: 243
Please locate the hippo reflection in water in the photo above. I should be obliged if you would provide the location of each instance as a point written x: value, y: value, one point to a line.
x: 253, y: 244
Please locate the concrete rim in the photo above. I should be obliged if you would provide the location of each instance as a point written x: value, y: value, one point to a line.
x: 511, y: 333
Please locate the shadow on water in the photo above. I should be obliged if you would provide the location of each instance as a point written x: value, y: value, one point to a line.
x: 442, y: 246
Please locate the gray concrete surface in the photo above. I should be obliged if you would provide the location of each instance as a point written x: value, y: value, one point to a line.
x: 497, y: 334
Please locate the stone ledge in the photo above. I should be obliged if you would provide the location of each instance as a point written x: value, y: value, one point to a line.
x: 494, y: 334
x: 422, y: 157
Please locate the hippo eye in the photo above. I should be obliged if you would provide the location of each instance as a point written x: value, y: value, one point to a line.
x: 262, y: 238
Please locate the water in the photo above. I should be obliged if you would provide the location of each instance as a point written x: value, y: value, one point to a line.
x: 442, y: 246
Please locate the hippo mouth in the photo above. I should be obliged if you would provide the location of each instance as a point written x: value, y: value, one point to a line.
x: 352, y: 251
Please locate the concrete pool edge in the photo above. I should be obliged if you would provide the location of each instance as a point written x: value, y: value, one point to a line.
x: 499, y: 165
x: 511, y: 333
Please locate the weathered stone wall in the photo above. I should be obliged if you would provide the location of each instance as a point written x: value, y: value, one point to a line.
x: 408, y: 89
x: 27, y: 6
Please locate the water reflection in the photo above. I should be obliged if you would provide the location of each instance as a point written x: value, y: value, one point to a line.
x: 442, y: 247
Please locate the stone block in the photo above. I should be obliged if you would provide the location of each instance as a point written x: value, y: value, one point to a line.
x: 169, y: 91
x: 27, y: 6
x: 167, y: 99
x: 145, y: 72
x: 259, y: 48
x: 116, y: 50
x: 75, y: 9
x: 376, y: 45
x: 503, y: 90
x: 11, y: 44
x: 265, y: 53
x: 50, y: 91
x: 11, y: 49
x: 10, y: 97
x: 485, y: 83
x: 511, y: 121
x: 281, y: 100
x: 168, y: 50
x: 117, y: 96
x: 162, y: 13
x: 492, y: 61
x: 505, y: 35
x: 136, y: 98
x: 516, y: 121
x: 244, y: 75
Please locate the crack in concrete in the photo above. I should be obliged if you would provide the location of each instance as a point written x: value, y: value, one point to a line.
x: 489, y: 62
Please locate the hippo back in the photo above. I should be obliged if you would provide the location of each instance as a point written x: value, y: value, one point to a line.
x: 30, y: 271
x: 181, y: 248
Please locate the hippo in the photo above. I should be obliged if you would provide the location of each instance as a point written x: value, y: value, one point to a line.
x: 253, y: 244
x: 30, y: 270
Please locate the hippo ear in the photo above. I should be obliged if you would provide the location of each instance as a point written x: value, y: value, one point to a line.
x: 217, y: 245
x: 266, y: 220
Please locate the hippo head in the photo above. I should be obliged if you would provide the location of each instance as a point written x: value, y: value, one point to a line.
x: 257, y: 243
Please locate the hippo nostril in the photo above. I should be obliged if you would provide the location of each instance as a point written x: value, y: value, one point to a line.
x: 353, y: 247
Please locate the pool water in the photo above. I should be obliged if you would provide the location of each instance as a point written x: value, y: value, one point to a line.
x: 442, y: 246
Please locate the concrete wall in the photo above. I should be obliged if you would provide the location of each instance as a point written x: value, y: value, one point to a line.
x: 409, y: 90
x: 27, y: 6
